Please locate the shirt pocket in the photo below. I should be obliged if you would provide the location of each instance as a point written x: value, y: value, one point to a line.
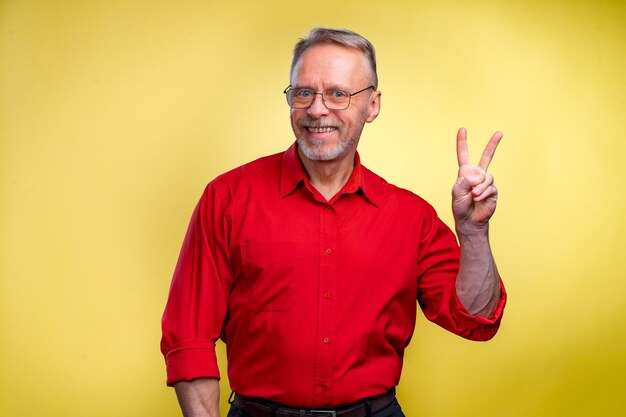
x: 270, y: 274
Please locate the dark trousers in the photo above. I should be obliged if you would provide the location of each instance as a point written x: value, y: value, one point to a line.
x: 392, y: 410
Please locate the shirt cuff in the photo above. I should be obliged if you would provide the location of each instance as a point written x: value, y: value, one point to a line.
x: 188, y: 364
x: 470, y: 321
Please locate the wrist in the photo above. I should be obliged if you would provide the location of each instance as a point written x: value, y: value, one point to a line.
x: 471, y: 231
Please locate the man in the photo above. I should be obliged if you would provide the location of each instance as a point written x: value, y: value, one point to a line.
x: 308, y: 265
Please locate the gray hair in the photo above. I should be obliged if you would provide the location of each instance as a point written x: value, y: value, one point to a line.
x: 343, y: 37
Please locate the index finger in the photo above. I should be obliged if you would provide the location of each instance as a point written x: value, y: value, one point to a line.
x: 490, y: 150
x: 462, y: 154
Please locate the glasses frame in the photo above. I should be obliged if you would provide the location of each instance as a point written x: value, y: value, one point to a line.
x: 321, y: 93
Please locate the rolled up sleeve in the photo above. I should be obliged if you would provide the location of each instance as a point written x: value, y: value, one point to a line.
x: 197, y: 303
x: 438, y: 268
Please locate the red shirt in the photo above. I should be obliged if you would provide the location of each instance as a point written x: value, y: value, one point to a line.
x: 315, y: 300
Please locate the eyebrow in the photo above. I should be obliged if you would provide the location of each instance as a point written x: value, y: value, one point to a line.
x: 334, y: 87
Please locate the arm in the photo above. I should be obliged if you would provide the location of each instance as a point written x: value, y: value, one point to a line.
x: 197, y: 305
x: 474, y: 198
x: 199, y: 397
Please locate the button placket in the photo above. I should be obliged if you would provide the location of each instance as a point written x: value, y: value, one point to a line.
x: 324, y: 355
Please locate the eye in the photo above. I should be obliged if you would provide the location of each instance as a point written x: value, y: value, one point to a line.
x: 338, y: 94
x: 302, y: 93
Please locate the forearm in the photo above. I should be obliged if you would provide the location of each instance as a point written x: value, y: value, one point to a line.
x: 478, y: 281
x: 199, y: 398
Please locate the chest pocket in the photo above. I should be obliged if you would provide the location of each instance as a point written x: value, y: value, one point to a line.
x: 269, y: 274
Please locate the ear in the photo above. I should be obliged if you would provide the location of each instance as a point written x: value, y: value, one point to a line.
x: 374, y: 106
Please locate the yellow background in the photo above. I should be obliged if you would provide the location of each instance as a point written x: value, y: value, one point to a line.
x: 115, y: 114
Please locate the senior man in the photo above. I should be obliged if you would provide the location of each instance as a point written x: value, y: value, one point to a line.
x: 308, y: 265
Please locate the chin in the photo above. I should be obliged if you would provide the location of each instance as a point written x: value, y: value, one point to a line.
x: 325, y: 152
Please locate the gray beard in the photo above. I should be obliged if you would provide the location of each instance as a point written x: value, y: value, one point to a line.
x: 318, y: 153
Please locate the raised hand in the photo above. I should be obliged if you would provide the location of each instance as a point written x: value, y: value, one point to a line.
x: 474, y: 194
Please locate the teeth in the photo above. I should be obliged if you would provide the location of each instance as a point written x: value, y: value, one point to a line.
x: 321, y: 129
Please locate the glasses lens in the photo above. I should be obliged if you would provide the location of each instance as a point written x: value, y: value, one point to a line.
x: 300, y: 98
x: 336, y: 99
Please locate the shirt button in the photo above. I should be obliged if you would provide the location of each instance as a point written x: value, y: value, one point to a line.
x: 328, y: 208
x: 327, y: 295
x: 324, y: 387
x: 326, y: 340
x: 328, y: 251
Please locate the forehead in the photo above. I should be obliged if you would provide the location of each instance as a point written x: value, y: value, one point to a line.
x: 329, y: 65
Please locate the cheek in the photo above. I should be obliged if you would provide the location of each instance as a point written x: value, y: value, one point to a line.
x: 296, y: 116
x: 294, y: 121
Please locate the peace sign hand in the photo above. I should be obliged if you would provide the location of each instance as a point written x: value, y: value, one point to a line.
x: 474, y: 194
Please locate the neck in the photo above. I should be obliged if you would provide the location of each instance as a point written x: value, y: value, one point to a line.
x: 328, y: 177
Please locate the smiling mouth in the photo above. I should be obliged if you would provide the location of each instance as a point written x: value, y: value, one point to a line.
x: 325, y: 129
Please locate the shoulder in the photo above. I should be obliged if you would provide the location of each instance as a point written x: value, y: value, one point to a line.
x: 258, y: 176
x: 387, y: 194
x: 256, y: 172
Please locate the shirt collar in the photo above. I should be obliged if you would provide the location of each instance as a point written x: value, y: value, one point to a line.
x: 293, y: 173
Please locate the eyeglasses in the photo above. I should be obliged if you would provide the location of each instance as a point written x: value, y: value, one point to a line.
x: 302, y: 98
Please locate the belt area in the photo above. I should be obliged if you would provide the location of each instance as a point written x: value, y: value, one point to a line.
x: 257, y: 407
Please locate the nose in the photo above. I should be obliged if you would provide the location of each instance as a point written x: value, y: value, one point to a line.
x: 317, y: 108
